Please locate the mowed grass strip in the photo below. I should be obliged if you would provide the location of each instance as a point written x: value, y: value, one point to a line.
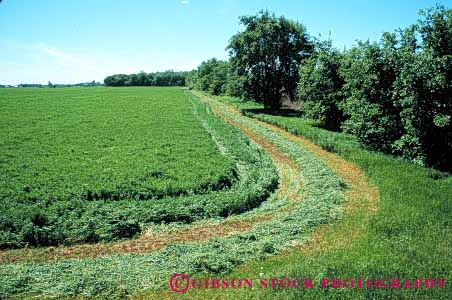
x: 409, y: 236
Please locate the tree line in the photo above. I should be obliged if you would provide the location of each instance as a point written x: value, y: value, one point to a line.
x: 394, y: 94
x: 54, y: 85
x: 167, y: 78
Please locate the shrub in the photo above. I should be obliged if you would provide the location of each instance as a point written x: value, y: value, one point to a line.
x: 211, y: 76
x: 424, y: 92
x: 369, y: 71
x: 320, y: 87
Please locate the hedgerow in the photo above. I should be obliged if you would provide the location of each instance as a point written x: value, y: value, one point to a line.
x: 167, y: 78
x: 393, y: 95
x: 319, y: 90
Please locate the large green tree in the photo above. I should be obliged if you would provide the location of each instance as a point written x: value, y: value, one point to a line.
x: 267, y: 54
x: 397, y: 93
x: 369, y: 71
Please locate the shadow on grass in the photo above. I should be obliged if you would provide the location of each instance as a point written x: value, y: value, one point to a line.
x: 292, y: 113
x: 284, y: 112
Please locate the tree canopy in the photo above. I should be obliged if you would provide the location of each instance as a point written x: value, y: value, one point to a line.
x: 211, y: 76
x: 320, y: 87
x: 267, y: 55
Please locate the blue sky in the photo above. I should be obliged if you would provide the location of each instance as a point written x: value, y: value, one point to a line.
x: 72, y: 41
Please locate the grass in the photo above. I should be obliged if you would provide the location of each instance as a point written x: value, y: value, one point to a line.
x: 104, y: 144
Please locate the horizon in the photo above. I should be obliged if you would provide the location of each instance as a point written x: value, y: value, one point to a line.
x: 79, y: 41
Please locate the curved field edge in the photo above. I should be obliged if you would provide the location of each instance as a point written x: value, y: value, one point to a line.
x: 80, y: 221
x: 134, y: 273
x: 257, y: 180
x: 157, y: 237
x: 407, y: 237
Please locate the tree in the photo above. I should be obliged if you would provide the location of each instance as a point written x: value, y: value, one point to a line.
x: 267, y: 54
x: 235, y: 84
x: 211, y: 76
x: 424, y: 91
x: 320, y: 86
x: 141, y: 78
x: 398, y: 92
x: 167, y: 78
x: 370, y: 71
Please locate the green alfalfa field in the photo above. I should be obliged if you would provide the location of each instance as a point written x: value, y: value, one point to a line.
x: 105, y: 193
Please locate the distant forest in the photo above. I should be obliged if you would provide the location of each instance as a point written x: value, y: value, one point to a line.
x: 167, y: 78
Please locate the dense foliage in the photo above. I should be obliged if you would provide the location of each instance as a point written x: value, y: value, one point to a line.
x: 110, y: 169
x: 424, y: 91
x: 369, y: 71
x: 263, y: 64
x: 267, y: 54
x: 320, y: 85
x: 211, y: 76
x: 168, y: 78
x: 395, y: 94
x: 218, y: 78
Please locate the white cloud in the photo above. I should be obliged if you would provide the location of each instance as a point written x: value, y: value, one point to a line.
x: 184, y: 2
